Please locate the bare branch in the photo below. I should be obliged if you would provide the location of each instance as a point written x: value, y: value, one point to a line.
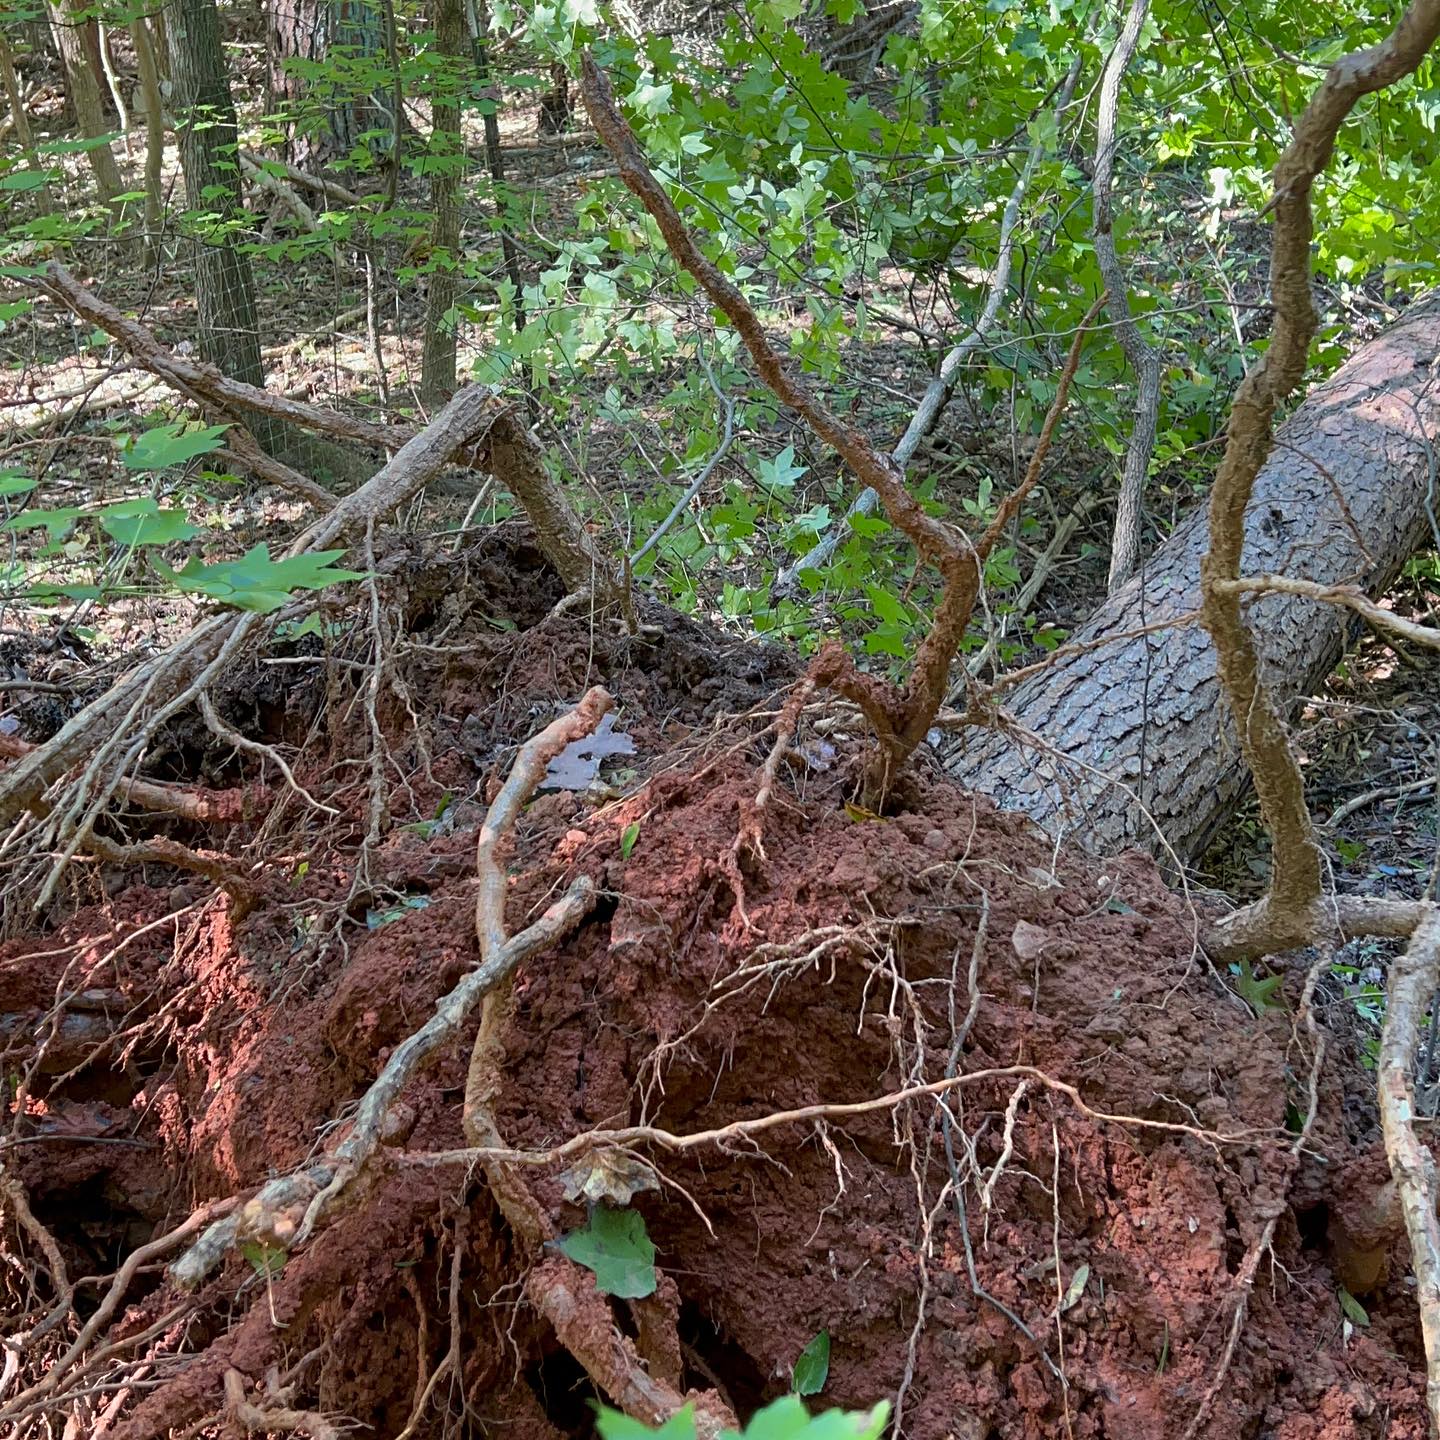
x: 1144, y: 358
x: 1350, y: 596
x: 901, y: 718
x: 504, y: 448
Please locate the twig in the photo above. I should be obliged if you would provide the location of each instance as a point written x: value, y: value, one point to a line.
x: 1350, y: 596
x: 192, y: 802
x: 286, y: 1210
x: 699, y: 482
x: 1384, y: 792
x: 559, y: 1289
x: 503, y: 447
x: 901, y: 718
x: 97, y: 1321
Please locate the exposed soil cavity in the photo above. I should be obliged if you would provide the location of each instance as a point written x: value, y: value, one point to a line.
x: 199, y: 1053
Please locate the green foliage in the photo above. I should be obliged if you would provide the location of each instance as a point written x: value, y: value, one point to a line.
x: 783, y: 1419
x: 76, y: 536
x: 1259, y: 994
x: 819, y: 198
x: 812, y: 1368
x: 255, y: 581
x: 168, y: 445
x: 615, y: 1246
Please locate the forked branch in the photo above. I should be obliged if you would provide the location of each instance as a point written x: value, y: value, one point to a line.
x: 901, y: 716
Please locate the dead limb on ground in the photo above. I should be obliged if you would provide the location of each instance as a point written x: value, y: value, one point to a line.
x: 504, y: 447
x: 110, y: 734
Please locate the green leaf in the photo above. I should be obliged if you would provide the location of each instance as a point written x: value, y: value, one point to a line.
x: 172, y: 445
x: 56, y: 523
x: 1075, y: 1289
x: 143, y: 522
x: 787, y: 1419
x: 813, y: 1367
x: 255, y: 581
x: 616, y: 1248
x: 628, y: 838
x: 612, y: 1425
x: 23, y: 180
x: 1258, y: 994
x: 12, y: 482
x: 1355, y: 1312
x: 782, y: 472
x: 265, y: 1260
x: 76, y: 147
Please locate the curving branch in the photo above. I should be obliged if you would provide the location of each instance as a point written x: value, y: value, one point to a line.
x: 938, y: 391
x: 900, y: 716
x: 1413, y: 978
x: 1285, y: 918
x: 1143, y: 357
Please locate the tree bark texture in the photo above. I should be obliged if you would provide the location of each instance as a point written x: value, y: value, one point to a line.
x: 229, y: 332
x: 447, y: 160
x: 153, y: 106
x: 327, y: 119
x: 70, y: 24
x: 1355, y: 463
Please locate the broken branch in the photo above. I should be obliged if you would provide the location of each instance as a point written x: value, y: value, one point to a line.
x: 1413, y: 978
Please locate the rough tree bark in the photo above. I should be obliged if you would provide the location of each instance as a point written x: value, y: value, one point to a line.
x: 69, y: 22
x: 325, y: 123
x: 446, y: 160
x: 229, y: 331
x: 1353, y: 464
x: 153, y: 106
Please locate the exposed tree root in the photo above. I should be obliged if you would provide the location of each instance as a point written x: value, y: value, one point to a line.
x: 1413, y: 980
x: 563, y: 1292
x: 276, y: 1416
x: 114, y: 730
x: 190, y: 802
x: 286, y: 1210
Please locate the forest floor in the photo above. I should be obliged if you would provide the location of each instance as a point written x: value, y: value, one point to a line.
x: 1125, y: 1133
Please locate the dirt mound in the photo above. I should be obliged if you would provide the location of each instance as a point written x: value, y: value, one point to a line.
x: 1055, y: 1252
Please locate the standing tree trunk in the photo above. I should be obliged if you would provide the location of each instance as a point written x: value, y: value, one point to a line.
x: 325, y: 117
x: 1342, y: 500
x: 229, y: 332
x: 10, y: 82
x: 154, y: 110
x: 478, y: 18
x: 445, y: 161
x: 68, y: 23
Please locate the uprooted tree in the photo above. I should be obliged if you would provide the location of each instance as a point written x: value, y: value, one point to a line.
x: 1141, y: 728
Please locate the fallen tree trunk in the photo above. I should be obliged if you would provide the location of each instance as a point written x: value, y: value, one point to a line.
x: 1348, y: 495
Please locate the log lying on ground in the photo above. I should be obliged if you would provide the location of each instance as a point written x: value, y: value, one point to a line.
x: 1348, y: 495
x: 506, y: 448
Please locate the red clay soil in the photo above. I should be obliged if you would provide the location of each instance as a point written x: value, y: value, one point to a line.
x: 210, y: 1051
